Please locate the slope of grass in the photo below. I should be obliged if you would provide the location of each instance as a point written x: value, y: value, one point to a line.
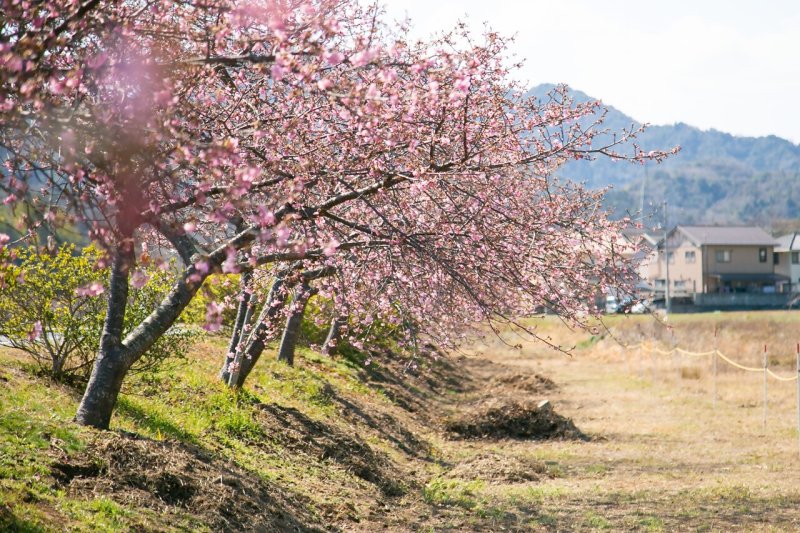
x: 314, y: 437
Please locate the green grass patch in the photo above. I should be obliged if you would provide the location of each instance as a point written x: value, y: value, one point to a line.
x: 442, y: 491
x: 103, y: 514
x: 596, y: 521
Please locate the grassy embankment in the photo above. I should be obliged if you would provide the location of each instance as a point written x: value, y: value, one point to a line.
x: 305, y: 447
x: 335, y: 445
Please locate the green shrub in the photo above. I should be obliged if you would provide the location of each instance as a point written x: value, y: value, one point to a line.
x: 379, y: 335
x: 220, y: 288
x: 316, y: 322
x: 42, y: 314
x: 46, y: 311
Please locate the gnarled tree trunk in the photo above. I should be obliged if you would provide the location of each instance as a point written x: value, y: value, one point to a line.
x: 239, y: 363
x: 112, y: 363
x: 116, y: 356
x: 244, y: 313
x: 265, y: 326
x: 292, y: 330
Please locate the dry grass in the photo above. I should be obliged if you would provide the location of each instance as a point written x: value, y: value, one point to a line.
x: 665, y: 456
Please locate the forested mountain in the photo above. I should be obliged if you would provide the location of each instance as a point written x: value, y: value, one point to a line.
x: 715, y: 178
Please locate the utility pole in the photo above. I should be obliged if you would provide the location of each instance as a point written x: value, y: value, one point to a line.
x: 641, y: 193
x: 667, y: 303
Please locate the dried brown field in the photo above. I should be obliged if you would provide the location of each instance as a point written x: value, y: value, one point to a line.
x: 664, y: 455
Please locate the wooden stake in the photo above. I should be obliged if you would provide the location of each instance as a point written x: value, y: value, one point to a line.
x: 798, y: 396
x: 766, y: 365
x: 714, y: 368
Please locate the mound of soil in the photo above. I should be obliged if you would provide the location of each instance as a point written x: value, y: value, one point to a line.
x: 514, y: 420
x: 532, y: 383
x: 175, y: 478
x: 497, y: 468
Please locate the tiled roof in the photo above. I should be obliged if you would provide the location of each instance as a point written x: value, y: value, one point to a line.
x: 728, y: 235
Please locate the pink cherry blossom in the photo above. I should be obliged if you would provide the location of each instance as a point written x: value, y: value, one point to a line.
x: 422, y: 186
x: 93, y: 289
x: 139, y: 279
x: 36, y: 332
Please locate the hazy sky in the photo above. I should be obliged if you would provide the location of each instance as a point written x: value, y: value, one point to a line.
x: 730, y: 65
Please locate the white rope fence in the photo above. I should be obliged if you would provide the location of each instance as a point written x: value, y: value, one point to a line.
x: 676, y: 352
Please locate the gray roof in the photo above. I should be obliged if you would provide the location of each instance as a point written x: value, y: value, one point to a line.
x: 788, y: 243
x: 727, y: 235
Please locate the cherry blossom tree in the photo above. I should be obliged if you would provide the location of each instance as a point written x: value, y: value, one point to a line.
x: 514, y: 252
x: 295, y: 135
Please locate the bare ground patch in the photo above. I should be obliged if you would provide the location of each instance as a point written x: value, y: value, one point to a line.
x: 523, y: 382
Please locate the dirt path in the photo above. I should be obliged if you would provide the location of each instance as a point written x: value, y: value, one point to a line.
x: 661, y: 457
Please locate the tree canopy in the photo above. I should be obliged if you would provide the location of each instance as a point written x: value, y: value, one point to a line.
x: 258, y: 136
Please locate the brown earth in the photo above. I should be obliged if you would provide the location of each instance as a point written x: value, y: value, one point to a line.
x: 170, y: 477
x: 446, y: 400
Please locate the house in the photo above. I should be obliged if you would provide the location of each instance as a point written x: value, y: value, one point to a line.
x: 642, y: 246
x: 714, y: 260
x: 786, y: 259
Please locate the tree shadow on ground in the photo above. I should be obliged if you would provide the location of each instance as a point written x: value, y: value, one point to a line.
x: 12, y: 523
x: 327, y: 442
x: 388, y: 427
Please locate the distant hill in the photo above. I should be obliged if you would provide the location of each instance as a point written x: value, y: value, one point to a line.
x: 716, y: 177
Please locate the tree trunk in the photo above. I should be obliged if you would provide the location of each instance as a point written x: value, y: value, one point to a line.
x: 292, y: 330
x: 264, y: 328
x: 58, y: 367
x: 103, y: 389
x: 242, y: 313
x: 331, y: 345
x: 116, y: 356
x: 110, y: 367
x: 246, y: 357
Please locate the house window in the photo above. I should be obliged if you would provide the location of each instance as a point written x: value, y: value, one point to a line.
x: 671, y: 258
x: 796, y: 258
x: 776, y: 258
x: 762, y: 255
x: 680, y: 284
x: 660, y: 283
x: 689, y: 256
x: 723, y: 256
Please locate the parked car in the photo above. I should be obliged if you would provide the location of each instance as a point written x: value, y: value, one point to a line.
x: 628, y: 304
x: 612, y: 305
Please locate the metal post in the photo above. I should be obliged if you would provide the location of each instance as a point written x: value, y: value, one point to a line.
x: 714, y: 369
x: 766, y: 364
